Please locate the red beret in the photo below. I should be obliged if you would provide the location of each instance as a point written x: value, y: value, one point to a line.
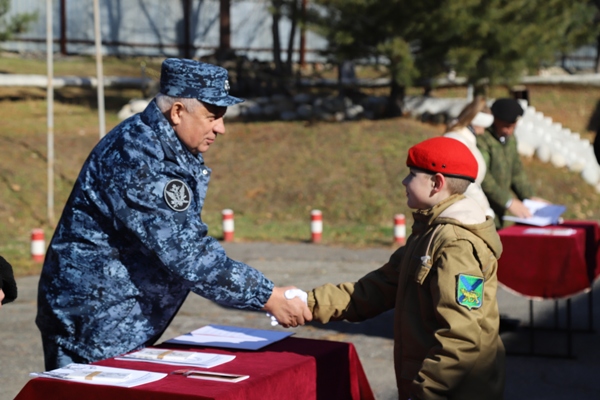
x: 445, y: 155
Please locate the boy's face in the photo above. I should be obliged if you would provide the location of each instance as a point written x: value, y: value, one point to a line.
x: 419, y: 186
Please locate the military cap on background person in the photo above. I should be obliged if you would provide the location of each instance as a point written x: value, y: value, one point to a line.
x: 447, y: 156
x: 507, y: 110
x: 7, y: 281
x: 197, y: 80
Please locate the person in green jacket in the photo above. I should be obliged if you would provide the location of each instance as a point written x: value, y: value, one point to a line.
x: 505, y: 183
x: 442, y: 285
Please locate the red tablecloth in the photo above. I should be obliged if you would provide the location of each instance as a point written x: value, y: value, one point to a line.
x: 549, y: 266
x: 293, y: 368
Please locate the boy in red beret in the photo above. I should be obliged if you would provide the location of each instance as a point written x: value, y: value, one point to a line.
x: 442, y: 284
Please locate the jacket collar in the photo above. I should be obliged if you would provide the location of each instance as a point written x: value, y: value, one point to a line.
x: 502, y: 140
x: 424, y: 218
x: 172, y: 147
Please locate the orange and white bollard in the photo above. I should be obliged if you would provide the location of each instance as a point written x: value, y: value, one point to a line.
x: 38, y: 245
x: 316, y: 225
x: 399, y: 229
x: 228, y: 225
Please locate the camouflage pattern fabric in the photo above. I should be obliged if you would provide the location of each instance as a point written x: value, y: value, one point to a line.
x: 504, y: 173
x: 125, y: 255
x: 197, y: 80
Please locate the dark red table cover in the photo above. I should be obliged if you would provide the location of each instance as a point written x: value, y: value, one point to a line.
x: 293, y: 368
x: 546, y: 266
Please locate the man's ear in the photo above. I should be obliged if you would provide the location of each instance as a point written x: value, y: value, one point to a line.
x: 175, y: 113
x: 439, y: 183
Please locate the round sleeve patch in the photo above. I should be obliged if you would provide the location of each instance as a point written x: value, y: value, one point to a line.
x: 177, y: 195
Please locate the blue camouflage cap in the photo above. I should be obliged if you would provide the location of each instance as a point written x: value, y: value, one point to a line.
x: 194, y: 79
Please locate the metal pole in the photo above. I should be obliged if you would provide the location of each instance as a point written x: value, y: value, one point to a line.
x: 50, y: 110
x: 99, y: 72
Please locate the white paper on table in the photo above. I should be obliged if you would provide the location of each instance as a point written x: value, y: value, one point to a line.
x: 209, y: 334
x: 101, y: 375
x: 550, y: 231
x: 177, y: 357
x: 543, y: 214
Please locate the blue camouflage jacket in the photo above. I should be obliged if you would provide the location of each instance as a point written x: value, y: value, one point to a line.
x: 131, y: 244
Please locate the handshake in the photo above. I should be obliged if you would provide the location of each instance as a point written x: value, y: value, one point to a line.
x: 288, y: 307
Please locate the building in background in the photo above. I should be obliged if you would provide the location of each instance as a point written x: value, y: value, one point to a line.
x: 160, y: 28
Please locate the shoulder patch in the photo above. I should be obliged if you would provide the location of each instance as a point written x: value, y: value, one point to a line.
x: 469, y: 291
x: 177, y: 195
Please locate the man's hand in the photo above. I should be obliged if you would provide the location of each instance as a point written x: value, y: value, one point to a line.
x: 1, y: 297
x: 288, y: 312
x: 518, y: 209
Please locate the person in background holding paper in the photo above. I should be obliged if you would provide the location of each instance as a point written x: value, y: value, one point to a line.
x: 131, y: 244
x: 505, y: 177
x: 442, y: 285
x: 8, y: 285
x: 472, y: 121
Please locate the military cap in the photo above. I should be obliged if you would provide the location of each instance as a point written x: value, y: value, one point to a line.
x: 507, y: 110
x: 449, y: 157
x: 194, y: 79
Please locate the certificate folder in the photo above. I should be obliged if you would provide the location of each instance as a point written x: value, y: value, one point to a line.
x: 231, y: 337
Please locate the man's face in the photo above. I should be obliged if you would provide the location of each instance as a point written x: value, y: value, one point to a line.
x: 419, y: 186
x: 503, y: 128
x: 199, y: 129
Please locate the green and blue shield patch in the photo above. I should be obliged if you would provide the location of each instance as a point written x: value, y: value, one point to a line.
x: 469, y: 291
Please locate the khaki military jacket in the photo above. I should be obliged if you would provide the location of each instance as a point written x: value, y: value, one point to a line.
x: 442, y: 285
x: 504, y: 173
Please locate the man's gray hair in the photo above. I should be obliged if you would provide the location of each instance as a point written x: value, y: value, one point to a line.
x: 165, y: 102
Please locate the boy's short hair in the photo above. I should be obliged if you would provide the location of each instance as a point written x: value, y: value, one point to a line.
x: 457, y: 185
x: 444, y: 155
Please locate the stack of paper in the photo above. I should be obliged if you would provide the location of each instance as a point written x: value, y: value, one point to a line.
x: 234, y: 337
x: 100, y: 375
x: 177, y: 357
x: 542, y: 214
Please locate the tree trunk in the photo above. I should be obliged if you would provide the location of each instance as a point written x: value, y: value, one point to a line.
x: 276, y: 38
x: 396, y: 100
x: 224, y: 30
x: 290, y: 49
x: 597, y: 60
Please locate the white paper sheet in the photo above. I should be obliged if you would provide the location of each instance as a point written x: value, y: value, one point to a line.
x: 209, y: 334
x: 543, y: 214
x: 178, y: 357
x: 100, y: 375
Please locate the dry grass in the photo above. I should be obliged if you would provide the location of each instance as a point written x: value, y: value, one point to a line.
x: 270, y: 173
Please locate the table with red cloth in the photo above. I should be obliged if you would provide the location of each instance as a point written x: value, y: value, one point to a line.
x: 293, y: 368
x: 542, y: 263
x: 546, y: 265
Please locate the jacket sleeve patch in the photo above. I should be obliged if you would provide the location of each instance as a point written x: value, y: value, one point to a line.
x: 177, y: 195
x: 469, y: 291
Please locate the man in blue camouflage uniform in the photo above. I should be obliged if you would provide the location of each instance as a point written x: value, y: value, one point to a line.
x: 131, y: 245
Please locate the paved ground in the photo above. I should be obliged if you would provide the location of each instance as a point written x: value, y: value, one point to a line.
x: 306, y: 266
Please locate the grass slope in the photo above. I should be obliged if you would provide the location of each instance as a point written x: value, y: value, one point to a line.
x: 272, y: 174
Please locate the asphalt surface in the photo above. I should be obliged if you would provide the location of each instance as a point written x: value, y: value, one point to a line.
x: 555, y: 372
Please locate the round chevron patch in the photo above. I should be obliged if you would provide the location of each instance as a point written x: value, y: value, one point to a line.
x: 177, y: 195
